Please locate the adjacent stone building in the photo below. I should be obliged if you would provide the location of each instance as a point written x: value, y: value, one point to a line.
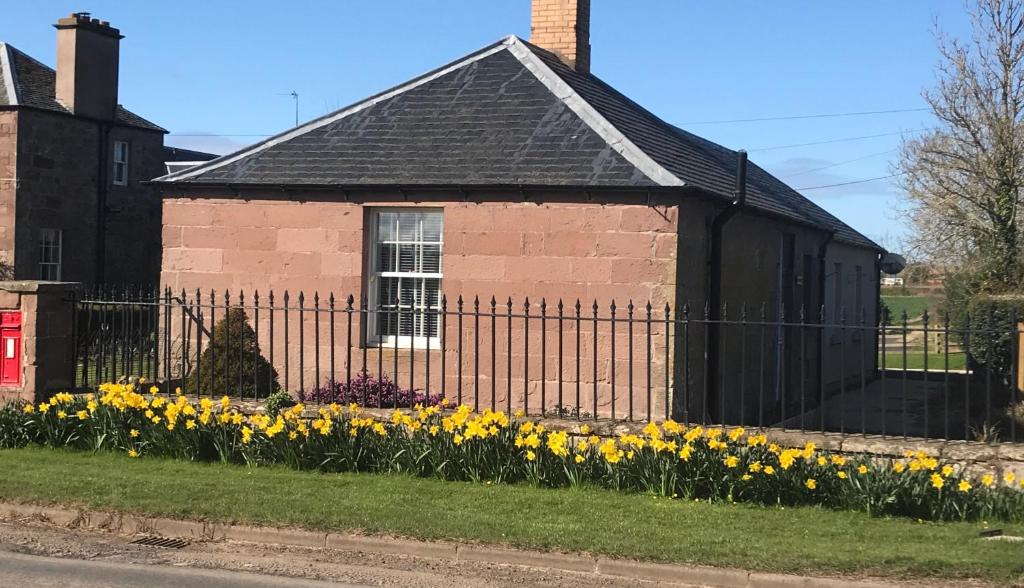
x: 514, y: 172
x: 73, y: 165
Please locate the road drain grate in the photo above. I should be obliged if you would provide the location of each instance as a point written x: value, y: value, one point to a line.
x: 167, y: 542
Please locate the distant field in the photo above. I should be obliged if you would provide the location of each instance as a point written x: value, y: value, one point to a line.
x: 894, y: 360
x: 913, y: 305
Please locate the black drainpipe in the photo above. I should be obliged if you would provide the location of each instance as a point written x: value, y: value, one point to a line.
x: 714, y: 277
x: 102, y: 140
x: 878, y: 309
x: 822, y: 273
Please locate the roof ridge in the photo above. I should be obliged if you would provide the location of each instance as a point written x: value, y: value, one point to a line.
x: 615, y: 138
x: 8, y: 74
x: 341, y: 112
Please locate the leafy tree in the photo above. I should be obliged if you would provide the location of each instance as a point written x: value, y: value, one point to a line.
x: 964, y: 178
x: 232, y: 364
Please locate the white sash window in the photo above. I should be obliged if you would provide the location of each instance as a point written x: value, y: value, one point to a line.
x: 405, y: 283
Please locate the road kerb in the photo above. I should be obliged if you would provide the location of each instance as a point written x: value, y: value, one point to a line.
x: 601, y: 566
x: 359, y: 543
x: 693, y: 575
x: 273, y: 535
x: 535, y: 559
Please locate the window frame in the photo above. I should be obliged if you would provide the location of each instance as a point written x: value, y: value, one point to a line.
x: 119, y: 163
x: 56, y: 242
x: 372, y: 337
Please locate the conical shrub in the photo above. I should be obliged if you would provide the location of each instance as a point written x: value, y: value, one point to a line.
x: 232, y: 363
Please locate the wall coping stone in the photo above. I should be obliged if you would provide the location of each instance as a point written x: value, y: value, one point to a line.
x: 30, y: 286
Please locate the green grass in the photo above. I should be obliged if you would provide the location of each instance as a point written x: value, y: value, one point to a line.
x: 913, y: 305
x: 806, y: 540
x: 894, y: 360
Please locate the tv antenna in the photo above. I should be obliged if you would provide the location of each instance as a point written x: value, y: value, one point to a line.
x: 295, y: 98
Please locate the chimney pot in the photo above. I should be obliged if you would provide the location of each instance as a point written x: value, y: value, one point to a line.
x: 563, y: 27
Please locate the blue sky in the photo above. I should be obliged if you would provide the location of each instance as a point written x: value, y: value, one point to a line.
x: 224, y: 68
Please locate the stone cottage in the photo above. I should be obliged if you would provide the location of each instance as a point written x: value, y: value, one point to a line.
x: 73, y: 162
x: 515, y: 172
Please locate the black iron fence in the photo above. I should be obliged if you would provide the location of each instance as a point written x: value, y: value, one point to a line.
x: 746, y: 365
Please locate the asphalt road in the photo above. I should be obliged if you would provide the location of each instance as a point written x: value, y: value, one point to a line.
x: 30, y: 571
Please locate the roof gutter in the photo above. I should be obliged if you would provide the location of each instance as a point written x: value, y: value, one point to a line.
x: 714, y: 278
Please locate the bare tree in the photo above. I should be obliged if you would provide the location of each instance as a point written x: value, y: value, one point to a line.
x: 964, y: 178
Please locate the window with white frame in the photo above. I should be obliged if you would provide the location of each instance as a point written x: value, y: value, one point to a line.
x: 405, y: 285
x: 50, y: 244
x: 120, y: 163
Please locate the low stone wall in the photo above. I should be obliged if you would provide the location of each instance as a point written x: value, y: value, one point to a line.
x: 47, y: 346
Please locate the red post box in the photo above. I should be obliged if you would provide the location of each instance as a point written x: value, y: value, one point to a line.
x: 10, y: 348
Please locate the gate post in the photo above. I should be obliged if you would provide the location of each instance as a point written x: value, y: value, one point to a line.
x: 37, y: 344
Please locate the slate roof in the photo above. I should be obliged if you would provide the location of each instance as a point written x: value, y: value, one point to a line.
x: 24, y: 81
x: 179, y: 154
x: 509, y: 114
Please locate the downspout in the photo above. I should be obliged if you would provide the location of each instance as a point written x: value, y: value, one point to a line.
x: 102, y: 139
x: 878, y: 309
x: 714, y: 281
x: 822, y: 273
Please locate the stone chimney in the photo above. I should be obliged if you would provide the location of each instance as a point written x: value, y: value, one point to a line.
x: 87, y: 61
x: 563, y: 27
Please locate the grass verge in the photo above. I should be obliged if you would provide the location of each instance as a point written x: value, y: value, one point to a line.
x: 795, y: 540
x: 914, y: 360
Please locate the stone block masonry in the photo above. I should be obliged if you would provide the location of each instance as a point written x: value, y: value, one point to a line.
x: 542, y: 251
x: 47, y: 337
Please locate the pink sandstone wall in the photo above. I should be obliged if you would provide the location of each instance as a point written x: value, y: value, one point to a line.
x: 8, y: 179
x: 505, y: 249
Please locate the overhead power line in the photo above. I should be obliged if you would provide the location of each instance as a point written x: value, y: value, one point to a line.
x: 847, y: 183
x: 843, y: 140
x: 831, y: 165
x: 803, y: 116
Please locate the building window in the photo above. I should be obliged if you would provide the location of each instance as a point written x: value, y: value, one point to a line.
x: 405, y: 285
x: 121, y: 163
x: 50, y: 241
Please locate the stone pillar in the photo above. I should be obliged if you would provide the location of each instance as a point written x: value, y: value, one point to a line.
x: 47, y: 337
